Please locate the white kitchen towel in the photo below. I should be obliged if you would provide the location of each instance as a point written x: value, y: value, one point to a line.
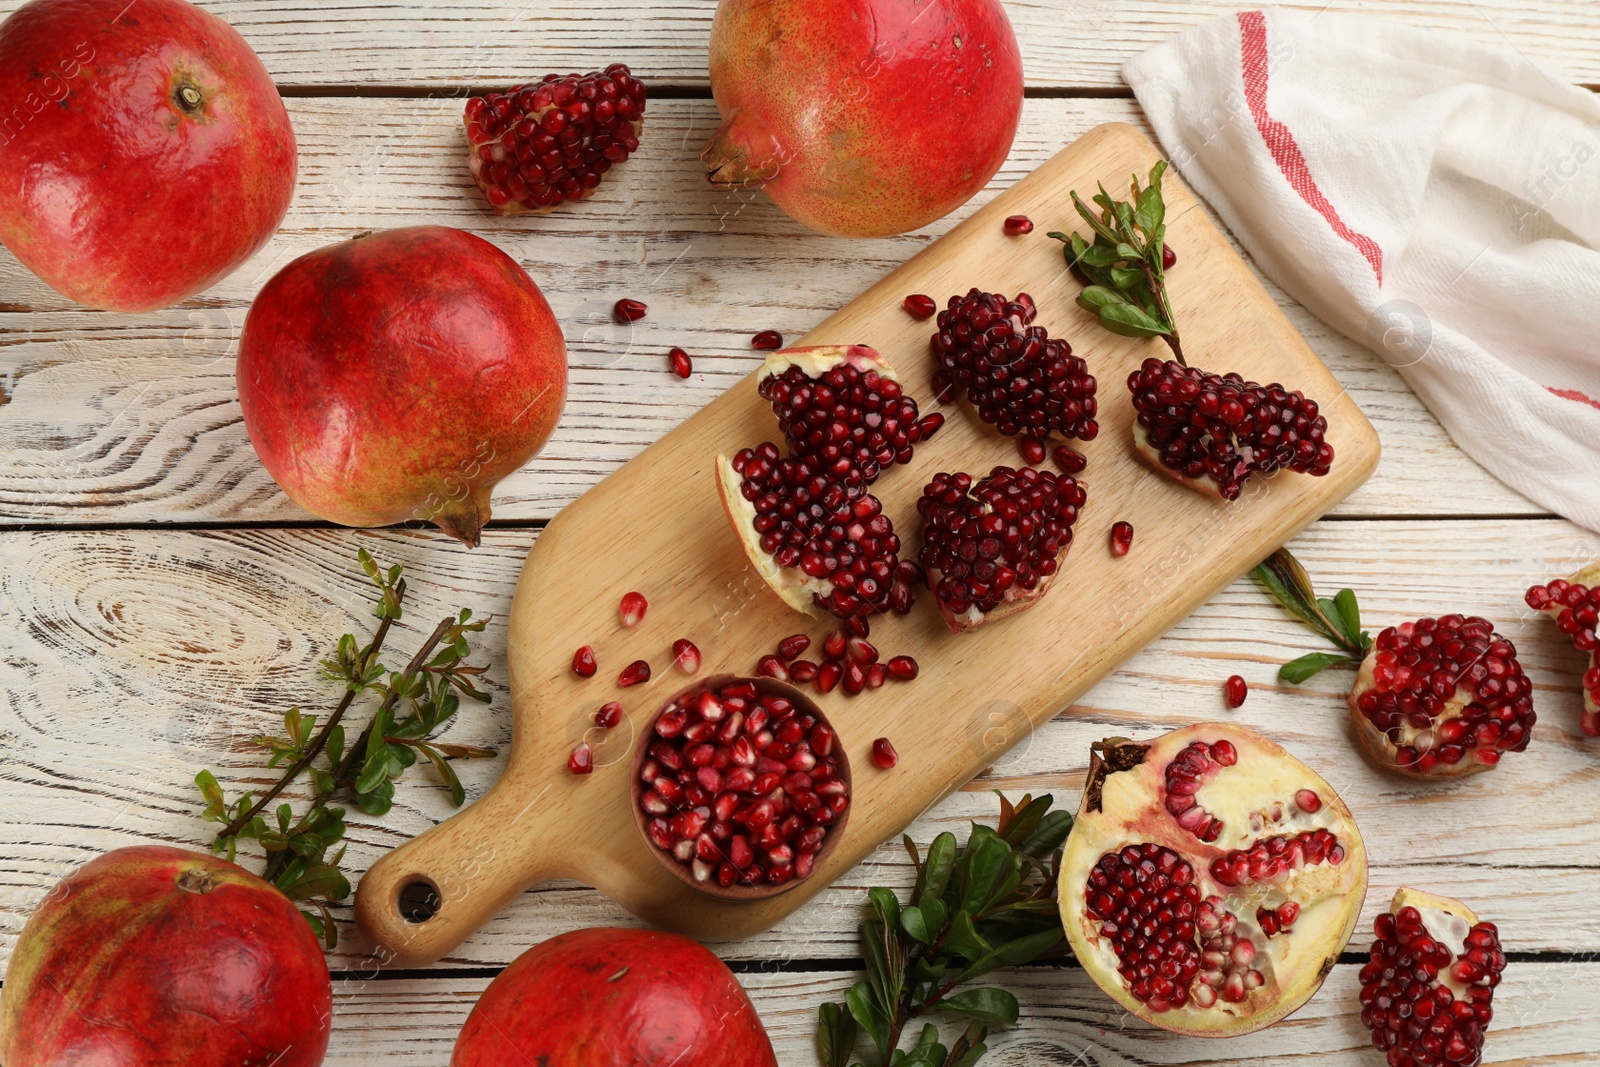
x: 1434, y: 198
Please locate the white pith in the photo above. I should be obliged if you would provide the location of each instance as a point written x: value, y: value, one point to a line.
x: 817, y: 361
x: 1329, y: 894
x: 1152, y: 456
x: 1447, y: 922
x: 794, y: 585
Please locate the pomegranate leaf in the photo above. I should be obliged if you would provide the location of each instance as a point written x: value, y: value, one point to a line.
x: 1313, y: 663
x: 987, y: 1004
x: 836, y: 1035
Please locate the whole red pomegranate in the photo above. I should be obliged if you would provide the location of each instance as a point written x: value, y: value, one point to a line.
x: 146, y: 153
x: 399, y: 376
x: 614, y: 998
x: 863, y: 117
x: 152, y: 956
x: 1210, y: 880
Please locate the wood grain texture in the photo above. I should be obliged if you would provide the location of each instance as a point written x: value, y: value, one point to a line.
x: 124, y: 419
x: 1079, y: 43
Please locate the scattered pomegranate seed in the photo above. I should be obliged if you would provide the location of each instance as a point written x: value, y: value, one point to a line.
x: 772, y: 667
x: 855, y: 678
x: 859, y: 625
x: 828, y: 676
x: 862, y: 651
x: 1236, y: 691
x: 686, y: 655
x: 803, y: 670
x: 1032, y: 451
x: 1069, y: 459
x: 582, y: 759
x: 920, y: 307
x: 629, y: 311
x: 1017, y: 225
x: 609, y: 715
x: 792, y: 646
x: 883, y: 754
x: 767, y: 340
x: 682, y: 365
x: 634, y: 673
x: 1308, y: 801
x: 834, y: 647
x: 1169, y: 258
x: 944, y: 388
x: 632, y: 609
x: 904, y: 668
x: 583, y: 662
x: 877, y: 674
x: 1121, y: 538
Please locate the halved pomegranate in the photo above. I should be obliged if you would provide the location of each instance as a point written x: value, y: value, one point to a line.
x: 535, y: 147
x: 1014, y: 374
x: 841, y: 409
x: 1426, y: 992
x: 1574, y: 604
x: 1185, y: 851
x: 992, y: 549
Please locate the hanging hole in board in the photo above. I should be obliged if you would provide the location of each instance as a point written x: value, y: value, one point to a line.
x: 419, y: 901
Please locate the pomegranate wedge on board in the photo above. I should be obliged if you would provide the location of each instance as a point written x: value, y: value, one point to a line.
x: 657, y: 527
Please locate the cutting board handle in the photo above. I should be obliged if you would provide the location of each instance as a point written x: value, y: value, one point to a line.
x: 430, y: 894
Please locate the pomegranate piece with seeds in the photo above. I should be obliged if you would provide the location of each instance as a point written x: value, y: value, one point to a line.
x: 1213, y: 431
x: 992, y: 549
x: 741, y: 782
x: 1144, y: 907
x: 1426, y: 992
x: 1574, y: 604
x: 1015, y: 375
x: 843, y: 411
x: 536, y: 146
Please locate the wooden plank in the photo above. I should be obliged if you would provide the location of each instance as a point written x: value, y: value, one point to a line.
x: 1065, y: 43
x: 138, y: 657
x: 119, y: 419
x: 1539, y: 1021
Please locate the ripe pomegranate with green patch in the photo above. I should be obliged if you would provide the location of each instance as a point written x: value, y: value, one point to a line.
x: 152, y: 956
x: 147, y: 153
x: 1210, y: 880
x: 397, y: 377
x: 863, y: 118
x: 614, y: 998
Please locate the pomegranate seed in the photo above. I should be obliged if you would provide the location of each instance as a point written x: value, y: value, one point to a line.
x: 609, y: 715
x: 1018, y: 378
x: 767, y: 340
x: 920, y: 307
x: 903, y: 667
x: 1235, y: 689
x: 1070, y: 459
x: 686, y: 655
x: 1222, y: 429
x: 861, y: 650
x: 772, y: 667
x: 1122, y: 540
x: 1575, y: 609
x: 538, y: 145
x: 855, y: 678
x: 836, y: 644
x: 1032, y: 451
x: 828, y: 676
x: 884, y: 757
x: 629, y: 311
x: 1169, y: 258
x: 859, y: 625
x: 634, y: 673
x: 944, y: 388
x: 1308, y: 801
x: 581, y: 761
x: 802, y: 671
x: 1017, y: 225
x: 682, y: 365
x: 792, y: 646
x: 583, y: 662
x: 877, y: 674
x: 632, y: 609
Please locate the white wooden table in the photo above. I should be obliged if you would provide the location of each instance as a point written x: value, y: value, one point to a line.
x: 161, y: 602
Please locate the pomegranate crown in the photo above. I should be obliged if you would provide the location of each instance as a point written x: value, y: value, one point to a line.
x: 1124, y: 268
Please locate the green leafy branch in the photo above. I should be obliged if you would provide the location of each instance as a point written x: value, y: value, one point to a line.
x: 988, y: 904
x: 1338, y: 619
x: 416, y: 702
x: 1122, y: 268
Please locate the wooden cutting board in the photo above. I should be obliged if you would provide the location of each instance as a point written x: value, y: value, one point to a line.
x: 656, y: 526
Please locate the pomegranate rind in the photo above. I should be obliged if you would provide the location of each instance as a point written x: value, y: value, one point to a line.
x: 1015, y: 602
x: 1423, y: 901
x: 1123, y: 804
x: 1152, y: 457
x: 796, y: 588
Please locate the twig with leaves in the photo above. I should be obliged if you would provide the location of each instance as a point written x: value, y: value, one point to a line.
x: 1338, y: 619
x: 985, y: 905
x: 416, y: 702
x: 1124, y: 268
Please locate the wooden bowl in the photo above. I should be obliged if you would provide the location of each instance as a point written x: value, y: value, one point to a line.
x: 764, y: 891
